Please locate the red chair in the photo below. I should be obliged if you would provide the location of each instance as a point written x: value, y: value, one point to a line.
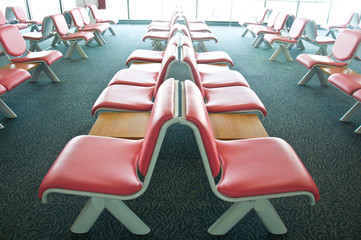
x: 198, y: 37
x: 47, y: 32
x: 145, y: 55
x: 259, y: 20
x: 286, y: 42
x: 64, y: 35
x: 88, y: 23
x: 14, y: 47
x: 96, y: 16
x: 343, y: 51
x: 310, y: 35
x: 134, y: 90
x: 246, y: 172
x: 107, y: 169
x: 9, y: 79
x: 351, y: 85
x: 270, y: 24
x: 18, y: 14
x: 4, y: 22
x: 159, y: 38
x: 226, y: 91
x: 81, y: 27
x: 350, y: 21
x: 260, y: 31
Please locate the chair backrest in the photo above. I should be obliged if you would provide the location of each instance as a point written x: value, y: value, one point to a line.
x: 94, y: 10
x: 190, y: 60
x: 2, y: 18
x: 170, y: 54
x: 84, y: 15
x: 60, y: 24
x: 262, y: 15
x: 47, y: 27
x: 162, y: 111
x: 298, y: 27
x: 194, y: 111
x: 9, y: 14
x: 77, y: 18
x: 346, y: 45
x: 12, y: 41
x: 19, y: 14
x: 351, y: 20
x: 280, y: 21
x: 272, y: 19
x: 311, y: 30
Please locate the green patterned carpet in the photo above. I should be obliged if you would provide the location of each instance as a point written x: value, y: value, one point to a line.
x: 178, y: 203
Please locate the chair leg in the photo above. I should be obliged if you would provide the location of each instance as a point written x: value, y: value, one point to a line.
x: 276, y: 53
x: 97, y: 38
x: 358, y: 130
x: 80, y: 50
x: 322, y: 50
x: 34, y: 46
x: 1, y: 126
x: 350, y: 113
x: 321, y: 78
x: 6, y: 111
x: 256, y: 39
x: 50, y: 73
x: 112, y: 31
x: 287, y: 53
x: 36, y: 73
x: 201, y: 46
x: 308, y: 76
x: 88, y: 215
x: 269, y: 217
x: 259, y: 41
x: 127, y: 217
x: 230, y: 218
x: 245, y: 32
x: 301, y: 45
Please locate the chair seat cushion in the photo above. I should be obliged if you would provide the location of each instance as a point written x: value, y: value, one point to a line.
x: 213, y: 57
x: 145, y: 55
x: 262, y: 166
x: 125, y: 97
x: 203, y: 36
x: 98, y: 28
x: 134, y: 77
x: 10, y: 78
x: 357, y: 95
x: 164, y: 36
x: 32, y: 36
x: 324, y: 40
x: 96, y: 164
x: 348, y: 83
x: 2, y: 89
x: 312, y: 60
x: 278, y: 38
x: 78, y: 36
x: 158, y: 28
x: 48, y: 56
x: 223, y: 79
x: 233, y: 99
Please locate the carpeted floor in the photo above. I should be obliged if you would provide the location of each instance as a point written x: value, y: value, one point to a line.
x: 178, y: 203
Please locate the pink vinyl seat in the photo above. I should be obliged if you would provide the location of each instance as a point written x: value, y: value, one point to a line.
x: 160, y: 38
x: 97, y: 30
x: 18, y: 15
x: 198, y: 37
x: 226, y: 91
x: 351, y: 85
x: 310, y: 35
x: 259, y: 20
x: 9, y: 79
x: 350, y: 20
x: 146, y: 55
x: 286, y: 42
x: 239, y: 172
x: 64, y: 35
x: 14, y: 47
x: 4, y: 22
x: 96, y: 16
x: 343, y: 51
x: 108, y: 169
x: 133, y: 89
x: 279, y: 25
x: 87, y: 21
x: 47, y: 32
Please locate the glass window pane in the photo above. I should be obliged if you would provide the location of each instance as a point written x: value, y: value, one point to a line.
x: 314, y: 11
x: 282, y: 6
x: 188, y: 6
x: 246, y: 10
x: 214, y: 10
x: 69, y: 5
x: 145, y: 9
x: 40, y: 9
x: 117, y: 9
x: 342, y: 9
